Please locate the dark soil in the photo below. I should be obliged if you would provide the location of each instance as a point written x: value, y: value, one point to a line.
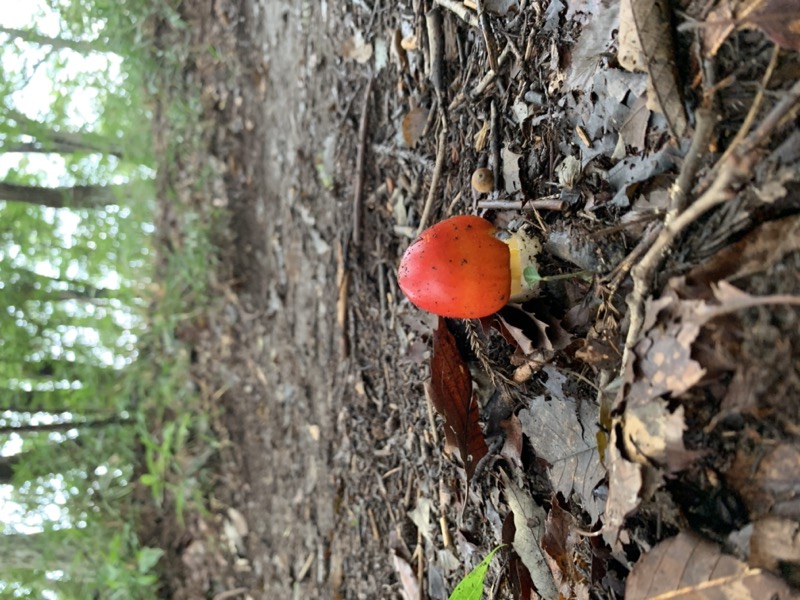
x: 311, y: 362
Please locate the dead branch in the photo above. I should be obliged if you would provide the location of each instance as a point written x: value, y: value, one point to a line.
x: 731, y: 168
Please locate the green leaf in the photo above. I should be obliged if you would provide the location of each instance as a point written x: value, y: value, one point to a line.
x: 531, y: 275
x: 471, y: 587
x: 147, y: 557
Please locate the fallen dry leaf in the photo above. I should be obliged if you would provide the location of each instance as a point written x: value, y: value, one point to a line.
x: 755, y: 252
x: 645, y: 44
x: 768, y: 481
x: 414, y: 122
x: 775, y: 545
x: 688, y: 567
x: 407, y: 577
x: 564, y: 433
x: 518, y: 576
x: 355, y: 48
x: 654, y: 435
x: 529, y: 519
x: 511, y: 170
x: 560, y: 541
x: 624, y: 483
x: 452, y: 397
x: 778, y: 19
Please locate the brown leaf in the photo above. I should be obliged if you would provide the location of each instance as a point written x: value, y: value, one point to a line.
x: 652, y: 434
x: 768, y: 482
x: 624, y: 482
x: 560, y: 541
x: 518, y: 576
x: 451, y: 394
x: 778, y: 19
x: 414, y: 122
x: 645, y: 44
x: 564, y: 433
x: 757, y: 251
x: 407, y: 577
x: 687, y: 566
x: 529, y: 521
x: 775, y: 544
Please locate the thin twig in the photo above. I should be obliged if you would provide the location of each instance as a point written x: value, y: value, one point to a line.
x: 541, y: 204
x: 360, y: 160
x: 692, y: 161
x: 731, y: 167
x: 437, y: 175
x: 488, y: 36
x: 461, y: 11
x: 496, y: 135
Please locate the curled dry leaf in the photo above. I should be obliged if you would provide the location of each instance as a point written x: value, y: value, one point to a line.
x: 687, y: 566
x: 452, y: 397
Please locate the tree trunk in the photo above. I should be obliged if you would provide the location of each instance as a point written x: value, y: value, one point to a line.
x: 79, y: 196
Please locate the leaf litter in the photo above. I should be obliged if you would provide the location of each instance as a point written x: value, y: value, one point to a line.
x: 596, y: 431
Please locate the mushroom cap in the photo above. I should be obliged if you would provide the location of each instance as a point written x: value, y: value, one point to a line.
x: 458, y: 269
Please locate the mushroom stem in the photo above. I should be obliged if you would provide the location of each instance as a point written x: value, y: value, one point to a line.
x: 523, y: 250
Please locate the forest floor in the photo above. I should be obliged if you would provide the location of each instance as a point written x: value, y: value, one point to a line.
x: 322, y: 127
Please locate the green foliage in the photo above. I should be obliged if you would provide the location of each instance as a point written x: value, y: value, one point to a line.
x: 471, y: 587
x: 86, y: 331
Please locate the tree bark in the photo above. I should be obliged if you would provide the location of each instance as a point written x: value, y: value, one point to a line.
x: 79, y: 196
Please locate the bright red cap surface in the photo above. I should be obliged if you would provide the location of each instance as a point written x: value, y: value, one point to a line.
x: 457, y: 268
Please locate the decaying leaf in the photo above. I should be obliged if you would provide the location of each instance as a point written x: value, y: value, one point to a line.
x: 414, y: 122
x: 518, y: 576
x: 529, y: 519
x: 452, y: 396
x: 778, y: 19
x: 560, y: 541
x: 501, y: 7
x: 624, y: 483
x: 594, y: 41
x: 564, y: 433
x: 511, y: 170
x: 654, y: 435
x: 407, y: 577
x: 645, y: 44
x: 775, y: 544
x: 687, y: 566
x: 768, y: 482
x: 755, y: 252
x: 357, y: 49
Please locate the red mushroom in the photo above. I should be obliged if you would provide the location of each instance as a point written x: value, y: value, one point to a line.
x: 459, y: 268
